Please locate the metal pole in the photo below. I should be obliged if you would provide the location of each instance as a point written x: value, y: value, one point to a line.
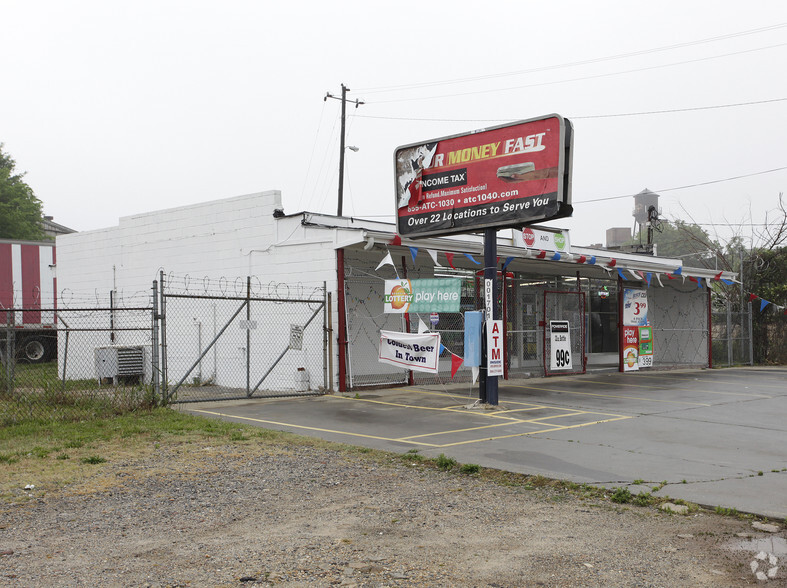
x: 751, y: 337
x: 330, y: 343
x: 154, y: 350
x: 730, y: 357
x: 488, y: 392
x: 341, y: 152
x: 325, y: 335
x: 248, y: 335
x: 163, y: 326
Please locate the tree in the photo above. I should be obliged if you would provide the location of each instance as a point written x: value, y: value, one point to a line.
x: 686, y: 241
x: 20, y: 210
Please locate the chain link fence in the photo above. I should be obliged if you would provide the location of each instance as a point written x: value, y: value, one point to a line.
x: 89, y: 363
x: 237, y: 339
x: 731, y: 334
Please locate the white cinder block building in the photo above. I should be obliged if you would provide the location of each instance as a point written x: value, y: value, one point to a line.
x: 207, y: 250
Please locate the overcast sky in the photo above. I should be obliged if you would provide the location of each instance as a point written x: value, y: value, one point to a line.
x: 115, y: 108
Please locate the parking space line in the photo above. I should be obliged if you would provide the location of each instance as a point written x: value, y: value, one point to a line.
x: 507, y: 420
x: 321, y: 430
x: 609, y: 395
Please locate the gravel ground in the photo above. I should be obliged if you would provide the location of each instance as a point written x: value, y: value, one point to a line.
x: 196, y: 515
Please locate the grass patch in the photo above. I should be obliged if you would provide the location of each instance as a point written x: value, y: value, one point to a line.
x: 621, y: 495
x: 51, y: 454
x: 93, y: 460
x: 470, y: 468
x: 445, y: 463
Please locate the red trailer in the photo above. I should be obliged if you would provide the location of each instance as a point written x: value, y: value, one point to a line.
x: 28, y: 299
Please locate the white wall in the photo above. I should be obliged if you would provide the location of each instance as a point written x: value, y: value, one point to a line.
x: 229, y: 238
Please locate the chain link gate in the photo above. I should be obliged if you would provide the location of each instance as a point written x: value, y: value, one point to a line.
x: 238, y: 340
x: 570, y: 307
x: 731, y: 336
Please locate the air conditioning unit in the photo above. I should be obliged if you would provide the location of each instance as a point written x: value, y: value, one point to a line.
x: 114, y: 362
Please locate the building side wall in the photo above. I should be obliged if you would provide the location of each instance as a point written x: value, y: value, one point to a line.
x: 216, y: 242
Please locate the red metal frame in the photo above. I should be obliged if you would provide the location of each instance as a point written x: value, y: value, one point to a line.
x: 340, y: 304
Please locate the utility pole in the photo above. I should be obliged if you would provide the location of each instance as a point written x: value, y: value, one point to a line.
x: 345, y: 89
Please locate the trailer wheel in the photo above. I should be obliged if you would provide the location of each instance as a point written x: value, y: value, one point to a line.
x: 34, y: 350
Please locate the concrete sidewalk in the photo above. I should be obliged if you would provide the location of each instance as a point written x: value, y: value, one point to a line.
x: 717, y: 437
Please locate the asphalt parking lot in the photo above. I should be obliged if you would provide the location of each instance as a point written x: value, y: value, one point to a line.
x: 717, y: 437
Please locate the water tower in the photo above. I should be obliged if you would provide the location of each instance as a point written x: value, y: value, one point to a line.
x: 646, y: 213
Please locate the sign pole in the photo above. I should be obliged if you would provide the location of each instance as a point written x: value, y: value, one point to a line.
x: 487, y: 392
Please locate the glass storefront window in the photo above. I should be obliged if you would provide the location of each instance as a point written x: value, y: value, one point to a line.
x: 603, y: 316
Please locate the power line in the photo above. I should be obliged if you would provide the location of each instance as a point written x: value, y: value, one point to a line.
x: 583, y: 78
x: 571, y: 64
x: 649, y: 112
x: 767, y: 171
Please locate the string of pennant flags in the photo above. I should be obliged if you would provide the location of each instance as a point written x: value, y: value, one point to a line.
x: 609, y: 267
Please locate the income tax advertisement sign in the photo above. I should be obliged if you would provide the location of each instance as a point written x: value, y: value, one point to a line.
x: 434, y: 295
x: 504, y: 176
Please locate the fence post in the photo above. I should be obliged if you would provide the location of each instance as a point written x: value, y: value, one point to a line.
x: 163, y: 324
x: 9, y: 352
x: 729, y: 335
x: 330, y: 343
x: 751, y: 338
x: 154, y: 351
x: 248, y: 335
x: 325, y: 335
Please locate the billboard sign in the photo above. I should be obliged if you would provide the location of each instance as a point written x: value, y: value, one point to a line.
x: 505, y: 176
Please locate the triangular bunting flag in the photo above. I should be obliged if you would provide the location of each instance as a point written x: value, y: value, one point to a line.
x: 727, y: 282
x: 556, y: 256
x: 386, y: 260
x: 433, y: 254
x: 582, y: 259
x: 475, y: 369
x: 752, y: 297
x: 648, y: 276
x: 541, y: 254
x: 670, y: 277
x: 422, y: 328
x: 763, y: 304
x: 717, y: 277
x: 413, y: 252
x: 678, y: 272
x: 620, y: 273
x: 613, y: 263
x: 658, y: 279
x: 397, y: 240
x: 592, y: 260
x: 507, y: 261
x: 442, y: 348
x: 450, y: 258
x: 456, y: 363
x: 471, y: 258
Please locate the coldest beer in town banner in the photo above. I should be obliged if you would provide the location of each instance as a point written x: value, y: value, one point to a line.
x: 510, y: 175
x: 432, y: 295
x: 418, y: 352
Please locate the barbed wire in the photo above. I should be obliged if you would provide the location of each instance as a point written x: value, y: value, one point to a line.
x: 240, y: 287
